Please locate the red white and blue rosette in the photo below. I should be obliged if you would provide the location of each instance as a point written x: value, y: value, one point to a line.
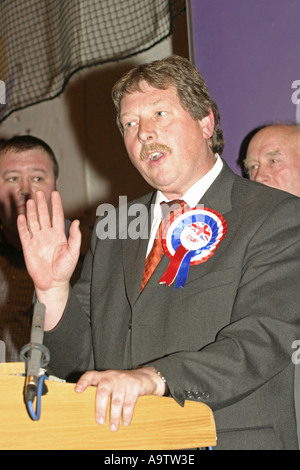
x: 191, y: 238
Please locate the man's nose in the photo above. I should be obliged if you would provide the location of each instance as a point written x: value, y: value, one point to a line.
x: 261, y: 175
x: 25, y: 188
x: 147, y: 132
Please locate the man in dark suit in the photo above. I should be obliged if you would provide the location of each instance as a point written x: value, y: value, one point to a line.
x: 216, y: 320
x: 273, y: 159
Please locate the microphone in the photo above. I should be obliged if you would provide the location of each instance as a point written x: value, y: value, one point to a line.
x: 35, y: 354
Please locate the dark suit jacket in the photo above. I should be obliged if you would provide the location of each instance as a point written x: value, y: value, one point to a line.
x: 224, y: 339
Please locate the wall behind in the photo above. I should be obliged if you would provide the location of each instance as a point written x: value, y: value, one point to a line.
x: 247, y: 51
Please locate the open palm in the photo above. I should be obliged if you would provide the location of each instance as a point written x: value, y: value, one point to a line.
x: 50, y: 257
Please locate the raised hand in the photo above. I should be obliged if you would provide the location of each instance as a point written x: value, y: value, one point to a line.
x: 50, y: 257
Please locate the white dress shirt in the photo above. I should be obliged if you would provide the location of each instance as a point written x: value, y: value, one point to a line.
x: 191, y: 197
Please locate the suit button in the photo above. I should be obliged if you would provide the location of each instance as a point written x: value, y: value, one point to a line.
x: 196, y: 395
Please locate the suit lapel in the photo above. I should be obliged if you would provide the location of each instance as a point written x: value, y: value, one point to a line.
x: 134, y: 250
x: 218, y: 196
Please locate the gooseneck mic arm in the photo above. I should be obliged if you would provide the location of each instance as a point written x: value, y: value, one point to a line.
x: 36, y: 356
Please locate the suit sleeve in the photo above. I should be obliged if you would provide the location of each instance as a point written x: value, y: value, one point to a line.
x: 70, y: 342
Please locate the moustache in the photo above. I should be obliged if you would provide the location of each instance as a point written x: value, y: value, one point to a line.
x: 153, y: 148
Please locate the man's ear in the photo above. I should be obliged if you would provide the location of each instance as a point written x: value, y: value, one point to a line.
x: 208, y: 124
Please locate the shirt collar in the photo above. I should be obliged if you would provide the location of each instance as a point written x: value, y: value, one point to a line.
x: 195, y: 192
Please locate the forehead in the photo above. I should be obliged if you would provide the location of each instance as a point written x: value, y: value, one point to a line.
x: 274, y: 140
x: 26, y: 160
x: 148, y: 95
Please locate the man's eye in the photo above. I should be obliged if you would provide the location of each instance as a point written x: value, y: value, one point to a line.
x: 274, y: 160
x: 36, y: 179
x: 161, y: 113
x: 12, y: 179
x: 129, y: 124
x: 251, y: 168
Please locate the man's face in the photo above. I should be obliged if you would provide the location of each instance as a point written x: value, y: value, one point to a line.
x: 167, y: 146
x: 273, y: 158
x: 22, y: 174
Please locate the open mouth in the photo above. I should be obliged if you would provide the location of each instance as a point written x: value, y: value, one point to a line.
x: 154, y: 156
x: 154, y: 152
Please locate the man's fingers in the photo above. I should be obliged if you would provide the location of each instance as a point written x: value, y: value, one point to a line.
x: 102, y: 400
x: 43, y: 210
x: 74, y: 237
x: 87, y: 379
x: 23, y: 228
x: 114, y: 388
x: 32, y: 216
x: 58, y: 219
x: 117, y: 403
x: 128, y: 409
x: 37, y: 213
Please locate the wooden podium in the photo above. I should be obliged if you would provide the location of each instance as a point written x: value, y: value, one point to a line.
x: 67, y: 420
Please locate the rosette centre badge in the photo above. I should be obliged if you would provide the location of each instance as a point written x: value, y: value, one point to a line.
x: 191, y: 238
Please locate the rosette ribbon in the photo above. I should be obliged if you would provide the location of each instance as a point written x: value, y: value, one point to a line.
x: 190, y: 239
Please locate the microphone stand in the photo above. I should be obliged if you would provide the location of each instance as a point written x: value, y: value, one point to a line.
x: 36, y: 356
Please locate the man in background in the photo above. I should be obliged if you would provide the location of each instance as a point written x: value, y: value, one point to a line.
x: 27, y: 165
x: 273, y: 157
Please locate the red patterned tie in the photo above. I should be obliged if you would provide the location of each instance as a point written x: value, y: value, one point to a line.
x: 169, y: 210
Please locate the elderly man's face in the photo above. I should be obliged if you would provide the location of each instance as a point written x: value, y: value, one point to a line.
x: 273, y: 158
